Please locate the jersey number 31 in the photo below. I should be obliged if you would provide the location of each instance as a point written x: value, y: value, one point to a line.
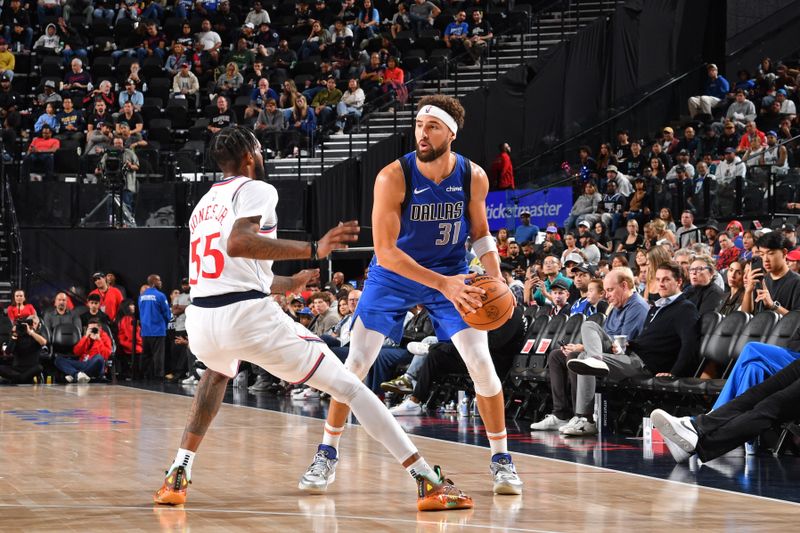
x: 199, y: 264
x: 447, y: 229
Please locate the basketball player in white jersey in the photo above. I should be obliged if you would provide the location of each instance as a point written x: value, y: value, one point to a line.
x: 232, y: 319
x: 426, y: 205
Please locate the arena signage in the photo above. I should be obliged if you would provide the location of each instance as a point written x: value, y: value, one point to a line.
x: 504, y: 207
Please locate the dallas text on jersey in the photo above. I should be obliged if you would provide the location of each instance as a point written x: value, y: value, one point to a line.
x: 438, y: 211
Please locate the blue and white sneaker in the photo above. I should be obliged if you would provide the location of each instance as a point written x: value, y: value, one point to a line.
x: 321, y: 472
x: 506, y: 480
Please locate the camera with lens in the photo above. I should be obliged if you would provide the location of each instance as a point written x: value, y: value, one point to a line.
x: 94, y: 330
x: 114, y: 170
x: 22, y: 325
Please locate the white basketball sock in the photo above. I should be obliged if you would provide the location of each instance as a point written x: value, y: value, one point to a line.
x: 498, y: 442
x: 420, y: 467
x: 331, y: 436
x: 184, y: 458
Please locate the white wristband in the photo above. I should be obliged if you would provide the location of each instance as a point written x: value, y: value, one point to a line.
x: 484, y: 245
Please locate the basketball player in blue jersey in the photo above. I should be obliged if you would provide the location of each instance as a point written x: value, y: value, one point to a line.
x: 426, y: 205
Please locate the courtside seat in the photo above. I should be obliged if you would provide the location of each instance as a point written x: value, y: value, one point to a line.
x: 571, y: 332
x: 784, y: 329
x: 519, y: 367
x: 597, y: 318
x: 757, y: 330
x: 717, y: 349
x: 546, y: 342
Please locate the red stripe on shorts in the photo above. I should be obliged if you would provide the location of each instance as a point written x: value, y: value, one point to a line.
x: 311, y: 372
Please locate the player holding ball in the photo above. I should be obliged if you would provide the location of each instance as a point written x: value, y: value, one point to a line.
x: 426, y: 205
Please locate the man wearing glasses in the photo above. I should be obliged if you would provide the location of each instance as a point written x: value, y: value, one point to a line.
x: 703, y: 292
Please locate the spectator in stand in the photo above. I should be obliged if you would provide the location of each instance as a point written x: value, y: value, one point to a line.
x: 502, y: 242
x: 49, y: 43
x: 301, y: 125
x: 73, y: 42
x: 186, y: 85
x: 229, y: 82
x: 103, y: 9
x: 501, y: 174
x: 728, y: 252
x: 269, y: 126
x: 605, y: 158
x: 41, y: 151
x: 130, y: 139
x: 748, y: 246
x: 155, y: 315
x: 421, y: 14
x: 48, y: 95
x: 716, y: 90
x: 790, y: 234
x: 327, y: 316
x: 125, y: 321
x: 76, y: 82
x: 222, y: 118
x: 91, y: 354
x: 131, y: 94
x: 780, y: 287
x: 703, y: 188
x: 47, y: 118
x: 367, y: 24
x: 209, y: 39
x: 585, y: 207
x: 129, y: 117
x: 316, y: 43
x: 751, y: 132
x: 627, y: 317
x: 257, y: 15
x: 372, y: 76
x: 728, y: 139
x: 515, y: 256
x: 110, y: 297
x: 669, y: 143
x: 775, y: 156
x: 259, y: 97
x: 61, y: 314
x: 689, y: 144
x: 551, y: 269
x: 688, y: 233
x: 97, y: 115
x: 350, y: 105
x: 152, y: 45
x: 456, y: 32
x: 99, y: 139
x: 17, y: 28
x: 730, y: 168
x: 178, y: 56
x: 70, y: 122
x: 706, y: 295
x: 25, y: 346
x: 635, y: 163
x: 732, y: 299
x: 401, y: 21
x: 104, y: 93
x: 526, y: 232
x: 739, y: 113
x: 7, y: 60
x: 516, y: 286
x: 793, y: 260
x: 393, y: 86
x: 20, y: 308
x: 266, y: 41
x: 480, y: 34
x: 788, y: 108
x: 325, y: 102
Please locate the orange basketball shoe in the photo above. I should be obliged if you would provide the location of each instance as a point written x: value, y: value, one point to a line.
x: 442, y: 496
x: 173, y: 491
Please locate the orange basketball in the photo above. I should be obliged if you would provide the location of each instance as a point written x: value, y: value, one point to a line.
x: 498, y: 304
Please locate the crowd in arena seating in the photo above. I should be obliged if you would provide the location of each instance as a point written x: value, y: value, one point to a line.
x: 294, y: 71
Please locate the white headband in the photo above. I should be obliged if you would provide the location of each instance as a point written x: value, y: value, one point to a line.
x: 441, y: 114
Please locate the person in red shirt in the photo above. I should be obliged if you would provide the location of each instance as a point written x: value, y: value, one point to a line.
x: 42, y: 150
x: 125, y: 336
x: 91, y: 354
x: 501, y: 173
x: 20, y: 308
x: 110, y: 297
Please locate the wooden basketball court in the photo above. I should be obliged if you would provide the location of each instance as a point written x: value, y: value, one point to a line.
x: 88, y: 458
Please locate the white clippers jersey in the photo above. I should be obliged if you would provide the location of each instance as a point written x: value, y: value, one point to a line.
x: 211, y: 271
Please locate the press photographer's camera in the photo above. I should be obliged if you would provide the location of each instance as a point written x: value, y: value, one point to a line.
x: 114, y: 170
x: 94, y: 330
x: 22, y: 326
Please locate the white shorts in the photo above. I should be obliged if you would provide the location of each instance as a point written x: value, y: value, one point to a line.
x: 257, y: 331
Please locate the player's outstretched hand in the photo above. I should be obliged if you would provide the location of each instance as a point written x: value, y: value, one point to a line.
x: 338, y: 238
x: 303, y: 278
x: 465, y: 297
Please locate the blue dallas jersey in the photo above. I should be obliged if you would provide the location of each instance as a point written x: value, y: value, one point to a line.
x: 434, y: 223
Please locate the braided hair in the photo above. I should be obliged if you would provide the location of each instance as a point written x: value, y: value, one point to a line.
x: 231, y: 144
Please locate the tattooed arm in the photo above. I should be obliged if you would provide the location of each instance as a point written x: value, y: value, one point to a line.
x: 245, y: 241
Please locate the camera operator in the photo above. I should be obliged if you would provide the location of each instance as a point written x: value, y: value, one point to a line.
x: 25, y: 346
x: 118, y: 167
x: 91, y: 354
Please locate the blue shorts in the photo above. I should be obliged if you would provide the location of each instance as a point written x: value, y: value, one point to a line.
x: 383, y: 307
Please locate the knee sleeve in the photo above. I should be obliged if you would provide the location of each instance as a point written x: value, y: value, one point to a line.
x: 364, y: 347
x: 473, y: 346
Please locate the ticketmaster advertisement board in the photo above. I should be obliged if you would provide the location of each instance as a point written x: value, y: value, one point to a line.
x: 504, y: 207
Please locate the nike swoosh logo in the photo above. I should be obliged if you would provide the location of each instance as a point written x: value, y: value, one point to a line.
x: 418, y: 191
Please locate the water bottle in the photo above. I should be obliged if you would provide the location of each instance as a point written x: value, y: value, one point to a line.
x: 473, y: 407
